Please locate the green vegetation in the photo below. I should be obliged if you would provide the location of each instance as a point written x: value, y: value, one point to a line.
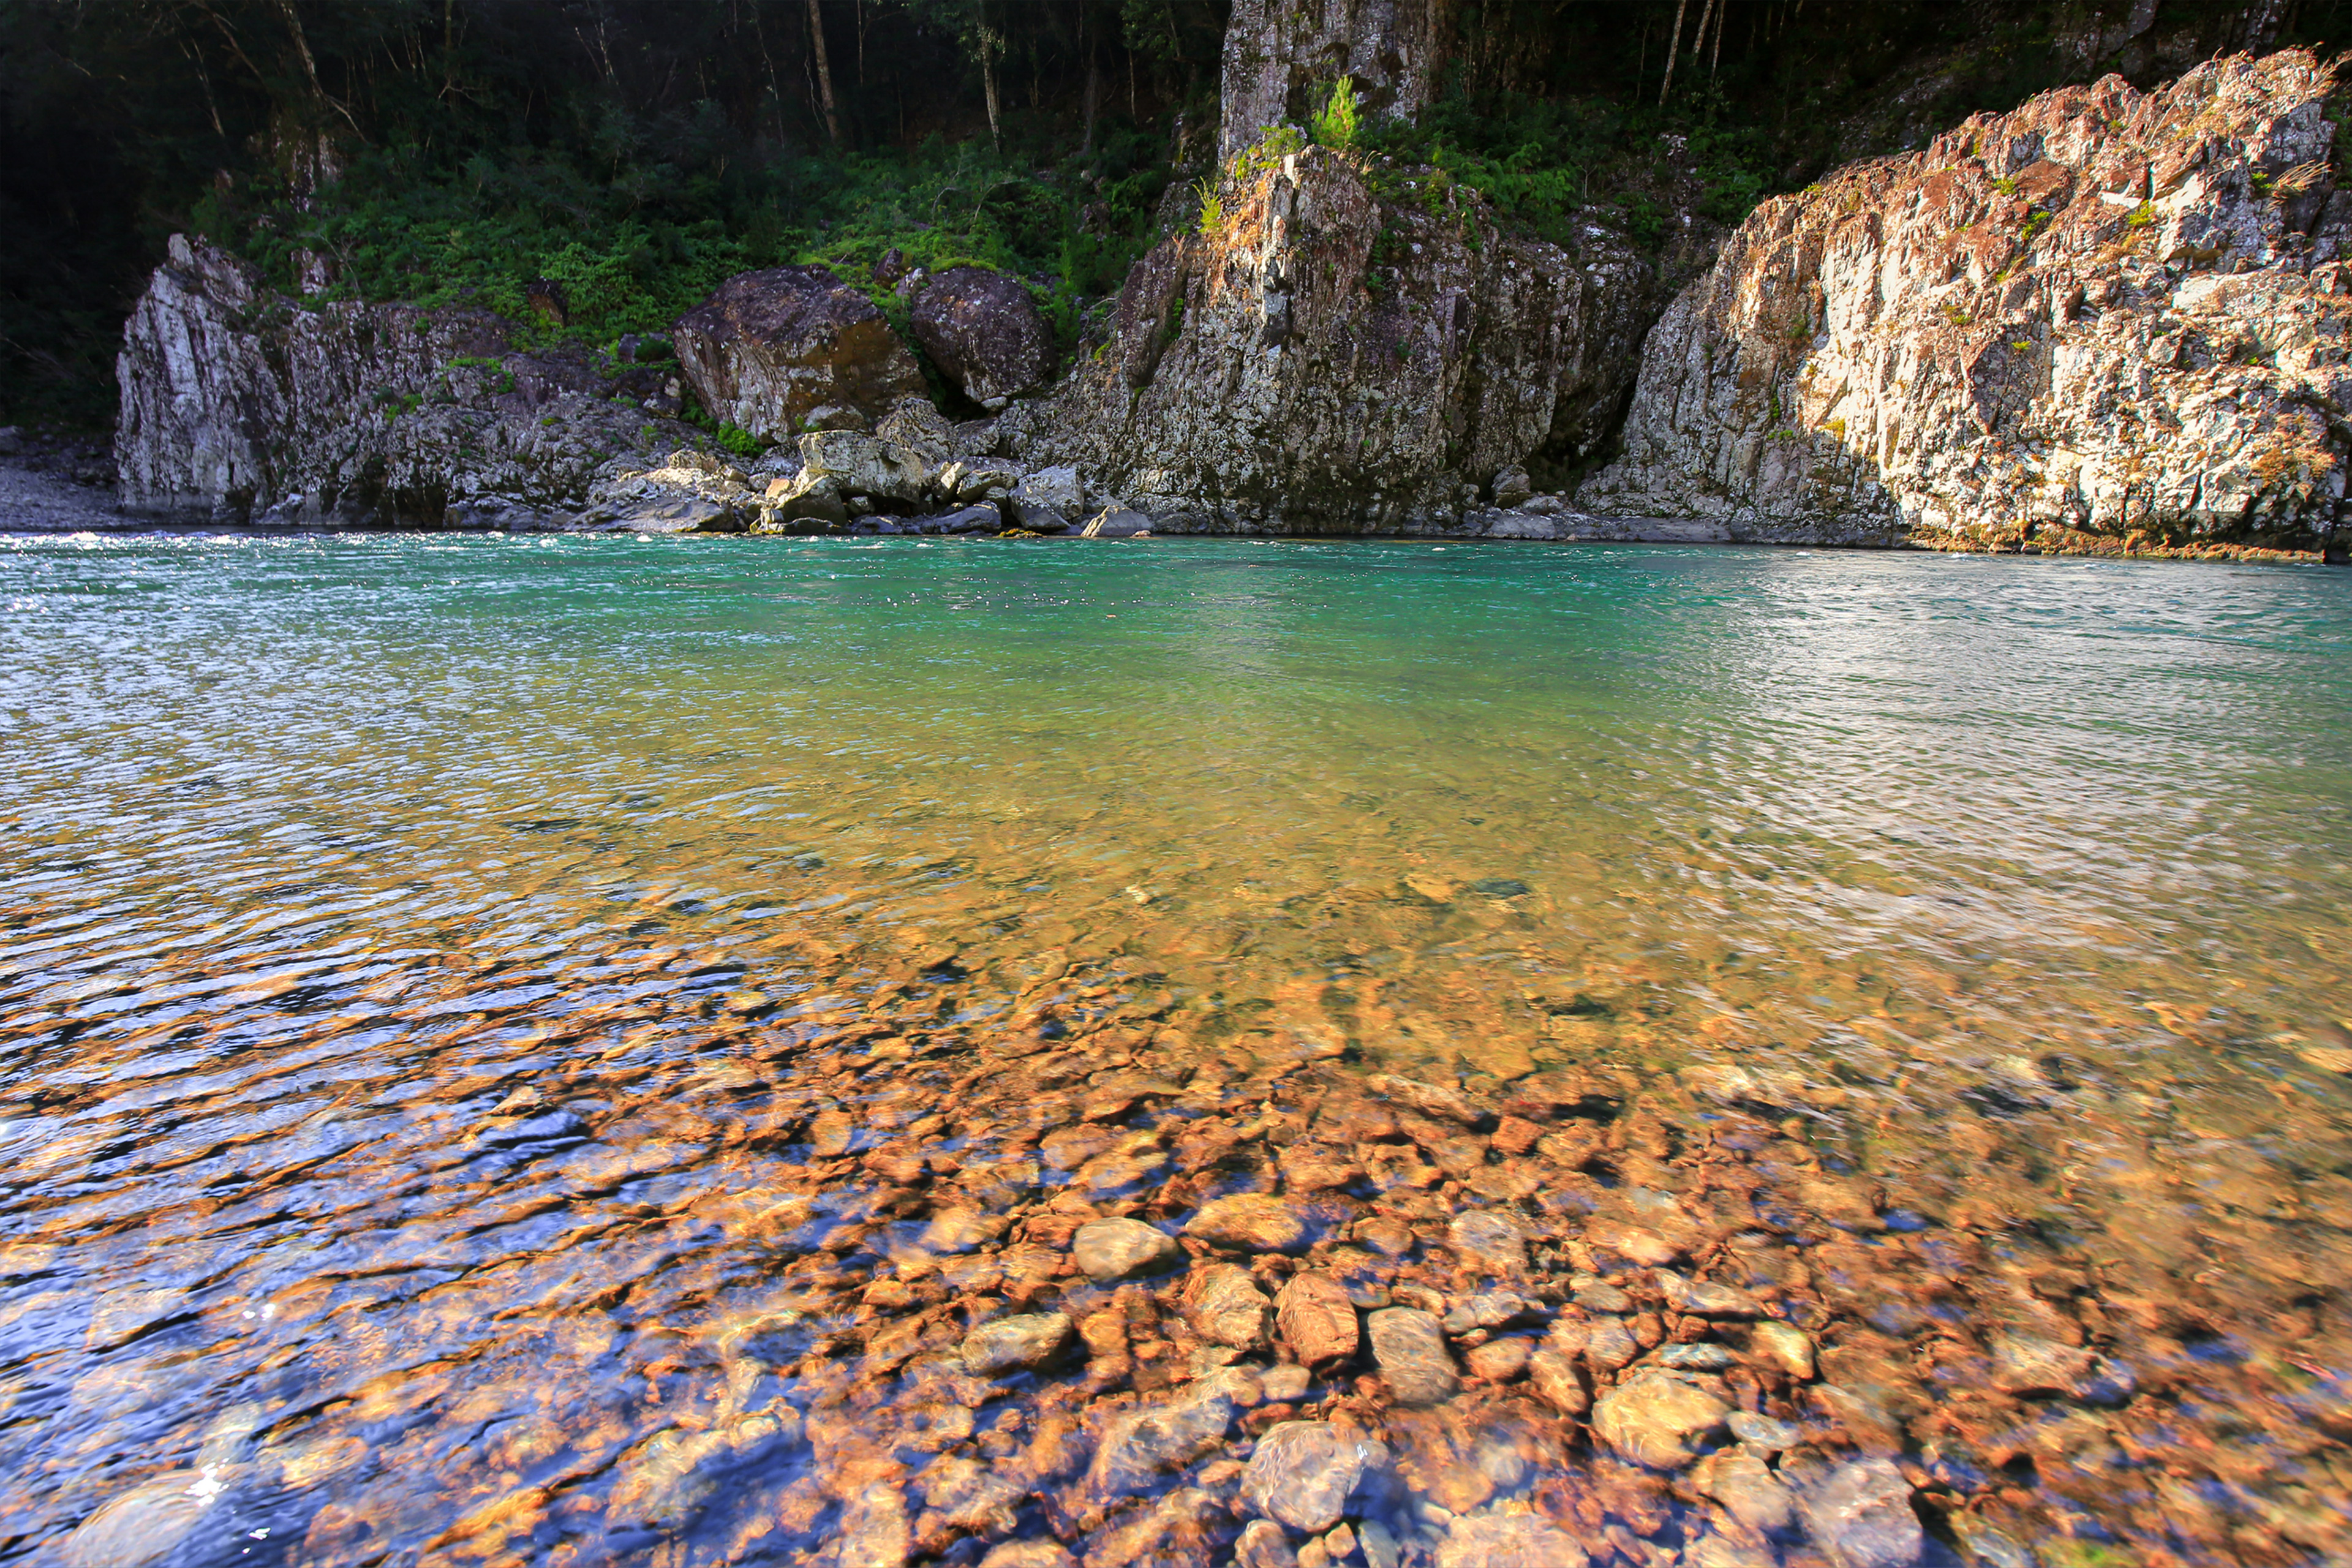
x: 508, y: 237
x: 1546, y: 164
x: 1334, y: 124
x: 1213, y: 206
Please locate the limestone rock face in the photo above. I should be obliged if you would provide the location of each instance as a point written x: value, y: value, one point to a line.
x: 2107, y: 315
x: 238, y: 406
x: 1330, y: 361
x: 983, y: 331
x: 1279, y: 53
x: 769, y: 348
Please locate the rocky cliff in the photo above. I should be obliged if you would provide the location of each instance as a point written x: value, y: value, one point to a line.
x: 240, y: 406
x: 2109, y: 318
x: 1321, y: 357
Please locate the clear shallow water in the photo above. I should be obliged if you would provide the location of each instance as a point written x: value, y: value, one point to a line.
x: 409, y: 940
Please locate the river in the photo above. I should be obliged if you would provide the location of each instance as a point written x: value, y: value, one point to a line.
x: 540, y: 1049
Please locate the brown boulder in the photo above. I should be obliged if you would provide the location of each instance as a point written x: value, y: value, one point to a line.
x: 1249, y: 1222
x: 1226, y: 1307
x: 1409, y: 1348
x: 1317, y: 1319
x: 983, y: 331
x: 770, y: 348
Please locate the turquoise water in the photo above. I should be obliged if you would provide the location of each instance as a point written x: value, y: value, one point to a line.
x: 312, y: 842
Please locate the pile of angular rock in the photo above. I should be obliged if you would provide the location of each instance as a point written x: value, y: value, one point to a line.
x: 915, y: 473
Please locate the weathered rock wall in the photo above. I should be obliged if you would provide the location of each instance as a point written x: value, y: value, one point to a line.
x: 2108, y: 315
x: 1330, y: 361
x: 239, y: 406
x: 1278, y: 53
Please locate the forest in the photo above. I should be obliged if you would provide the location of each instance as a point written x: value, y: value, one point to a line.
x: 623, y: 156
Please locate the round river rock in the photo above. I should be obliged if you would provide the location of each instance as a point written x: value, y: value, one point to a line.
x: 1302, y: 1473
x: 1110, y: 1250
x: 1249, y: 1222
x: 1021, y: 1343
x: 1654, y: 1420
x: 1410, y: 1346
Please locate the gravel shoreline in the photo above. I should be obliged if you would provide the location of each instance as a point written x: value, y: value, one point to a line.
x: 36, y: 497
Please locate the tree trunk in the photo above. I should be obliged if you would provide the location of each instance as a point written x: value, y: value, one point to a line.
x: 988, y: 87
x: 1673, y: 48
x: 823, y: 74
x: 1093, y: 99
x: 1716, y: 54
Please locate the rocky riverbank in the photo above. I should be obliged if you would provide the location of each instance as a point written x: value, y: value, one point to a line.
x: 55, y: 487
x: 2108, y: 323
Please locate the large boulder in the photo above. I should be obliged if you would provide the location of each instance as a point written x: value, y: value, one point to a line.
x: 1331, y: 362
x: 2108, y: 316
x: 983, y: 331
x: 771, y: 348
x: 240, y: 405
x: 866, y: 466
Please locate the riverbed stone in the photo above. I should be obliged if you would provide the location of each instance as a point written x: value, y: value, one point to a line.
x: 1226, y: 1307
x: 1263, y: 1544
x: 1286, y: 1385
x: 1109, y: 1250
x: 2028, y: 1364
x: 1408, y: 1345
x: 1597, y: 1295
x: 1037, y: 1552
x: 1703, y: 1298
x: 1786, y: 1346
x: 1861, y: 1516
x: 1500, y: 1360
x: 1495, y: 1242
x: 1140, y: 1446
x: 1442, y: 1101
x: 1554, y: 1379
x: 1609, y: 1344
x: 1318, y: 1319
x: 1636, y: 1243
x: 1507, y: 1540
x: 142, y: 1525
x: 1762, y: 1433
x: 1249, y: 1222
x: 1748, y: 1489
x: 1654, y: 1420
x: 1303, y: 1472
x: 1019, y: 1343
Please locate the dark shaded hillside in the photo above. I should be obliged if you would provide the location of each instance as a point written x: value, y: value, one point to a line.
x: 595, y: 165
